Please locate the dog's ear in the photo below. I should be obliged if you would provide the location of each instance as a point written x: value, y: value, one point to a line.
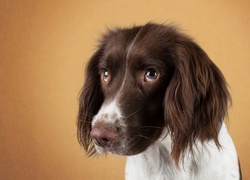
x: 90, y: 101
x: 196, y: 99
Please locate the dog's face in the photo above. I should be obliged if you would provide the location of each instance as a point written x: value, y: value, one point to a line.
x: 142, y: 80
x: 133, y: 79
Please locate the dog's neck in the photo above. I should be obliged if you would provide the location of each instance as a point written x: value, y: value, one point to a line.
x: 156, y: 162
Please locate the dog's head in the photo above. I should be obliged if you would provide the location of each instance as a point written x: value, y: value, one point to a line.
x: 143, y: 80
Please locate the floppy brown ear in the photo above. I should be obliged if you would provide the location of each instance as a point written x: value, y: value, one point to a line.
x: 90, y: 101
x: 196, y: 99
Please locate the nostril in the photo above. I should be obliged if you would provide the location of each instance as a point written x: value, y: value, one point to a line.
x: 105, y: 141
x: 103, y: 136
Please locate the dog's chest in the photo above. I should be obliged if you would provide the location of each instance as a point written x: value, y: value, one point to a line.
x: 155, y: 163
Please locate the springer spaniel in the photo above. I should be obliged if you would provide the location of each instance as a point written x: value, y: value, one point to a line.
x: 154, y: 95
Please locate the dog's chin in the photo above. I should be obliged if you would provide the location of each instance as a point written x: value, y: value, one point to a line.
x: 117, y: 150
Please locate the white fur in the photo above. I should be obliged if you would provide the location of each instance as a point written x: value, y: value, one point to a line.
x: 208, y: 163
x: 108, y: 113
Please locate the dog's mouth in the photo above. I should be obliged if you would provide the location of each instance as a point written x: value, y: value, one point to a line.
x: 119, y: 149
x: 114, y: 149
x: 106, y: 141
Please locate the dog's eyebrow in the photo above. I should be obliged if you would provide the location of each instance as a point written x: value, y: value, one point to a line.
x: 147, y: 63
x: 110, y: 61
x: 102, y: 64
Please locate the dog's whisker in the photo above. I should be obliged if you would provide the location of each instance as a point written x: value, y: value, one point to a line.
x: 151, y: 127
x: 145, y: 137
x: 88, y: 114
x: 132, y: 113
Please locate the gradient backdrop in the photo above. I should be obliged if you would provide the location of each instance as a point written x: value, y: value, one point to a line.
x: 44, y: 46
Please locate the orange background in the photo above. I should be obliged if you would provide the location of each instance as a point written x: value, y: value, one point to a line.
x: 44, y: 46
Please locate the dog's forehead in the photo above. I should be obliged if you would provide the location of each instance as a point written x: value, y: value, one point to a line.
x: 138, y: 34
x: 135, y: 42
x: 139, y: 48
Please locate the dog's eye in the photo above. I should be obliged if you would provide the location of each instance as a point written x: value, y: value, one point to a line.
x: 151, y: 75
x: 105, y: 75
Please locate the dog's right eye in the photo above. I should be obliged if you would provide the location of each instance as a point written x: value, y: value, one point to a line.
x: 105, y: 75
x: 151, y: 75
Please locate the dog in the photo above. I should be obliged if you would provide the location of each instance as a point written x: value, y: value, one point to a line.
x: 151, y: 93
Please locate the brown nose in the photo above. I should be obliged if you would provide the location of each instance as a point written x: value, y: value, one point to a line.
x: 102, y: 136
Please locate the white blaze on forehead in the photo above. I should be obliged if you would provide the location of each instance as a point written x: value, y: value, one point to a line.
x: 108, y: 113
x: 111, y: 112
x: 132, y: 43
x: 129, y: 48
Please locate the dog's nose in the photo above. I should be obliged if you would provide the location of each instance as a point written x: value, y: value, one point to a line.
x: 102, y: 136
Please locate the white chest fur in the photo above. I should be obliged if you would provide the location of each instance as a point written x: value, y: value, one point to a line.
x: 208, y: 162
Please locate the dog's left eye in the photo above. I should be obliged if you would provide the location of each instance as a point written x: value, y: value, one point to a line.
x: 105, y: 75
x: 151, y: 75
